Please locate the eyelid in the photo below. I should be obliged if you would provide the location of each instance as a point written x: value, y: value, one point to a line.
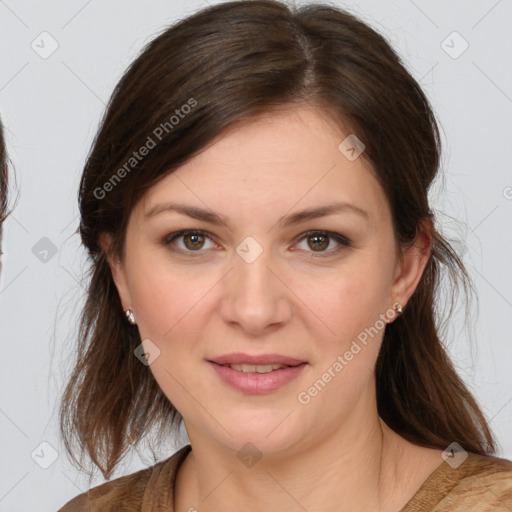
x: 342, y: 240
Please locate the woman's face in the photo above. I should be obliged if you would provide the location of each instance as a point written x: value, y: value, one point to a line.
x: 257, y: 283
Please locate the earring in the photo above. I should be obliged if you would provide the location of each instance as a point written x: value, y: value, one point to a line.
x: 130, y: 317
x: 399, y: 309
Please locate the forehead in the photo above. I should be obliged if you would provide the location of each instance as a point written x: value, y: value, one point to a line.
x: 268, y: 165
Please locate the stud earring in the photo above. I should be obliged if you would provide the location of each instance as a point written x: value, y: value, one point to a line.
x: 399, y: 309
x: 130, y: 317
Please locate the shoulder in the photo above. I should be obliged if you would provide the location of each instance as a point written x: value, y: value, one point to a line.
x: 483, y: 481
x: 129, y: 492
x: 476, y: 482
x: 115, y: 494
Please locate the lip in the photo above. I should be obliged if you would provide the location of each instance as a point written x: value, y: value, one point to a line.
x: 240, y: 358
x: 257, y: 383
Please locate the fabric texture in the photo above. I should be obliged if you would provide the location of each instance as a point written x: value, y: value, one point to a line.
x: 478, y: 484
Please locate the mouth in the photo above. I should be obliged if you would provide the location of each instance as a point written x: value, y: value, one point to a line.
x: 263, y: 363
x: 257, y: 379
x: 257, y: 368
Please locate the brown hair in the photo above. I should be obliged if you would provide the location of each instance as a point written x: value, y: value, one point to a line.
x: 3, y: 181
x: 227, y: 64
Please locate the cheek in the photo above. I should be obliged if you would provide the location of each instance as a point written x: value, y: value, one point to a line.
x: 170, y: 309
x: 162, y: 302
x: 154, y: 303
x: 351, y: 306
x: 157, y: 295
x: 169, y: 300
x: 347, y: 301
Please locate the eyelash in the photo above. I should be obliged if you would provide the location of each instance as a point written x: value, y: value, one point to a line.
x: 342, y: 240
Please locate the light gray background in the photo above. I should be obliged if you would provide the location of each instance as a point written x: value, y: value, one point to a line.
x: 51, y: 108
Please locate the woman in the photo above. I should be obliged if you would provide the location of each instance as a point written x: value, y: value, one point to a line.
x: 264, y: 268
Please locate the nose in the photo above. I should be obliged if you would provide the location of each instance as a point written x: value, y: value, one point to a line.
x: 255, y: 298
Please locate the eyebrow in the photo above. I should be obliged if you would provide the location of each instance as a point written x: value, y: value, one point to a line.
x: 286, y: 220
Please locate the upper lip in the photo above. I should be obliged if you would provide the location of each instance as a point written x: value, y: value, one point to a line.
x: 240, y: 358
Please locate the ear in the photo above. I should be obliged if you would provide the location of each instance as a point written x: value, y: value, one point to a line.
x: 117, y: 269
x: 415, y: 258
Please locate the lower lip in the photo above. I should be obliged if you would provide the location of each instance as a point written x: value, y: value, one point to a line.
x: 257, y: 383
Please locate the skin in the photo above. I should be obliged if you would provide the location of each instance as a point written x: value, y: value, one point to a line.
x: 334, y: 453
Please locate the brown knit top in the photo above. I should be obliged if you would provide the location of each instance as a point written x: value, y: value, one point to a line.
x: 479, y: 484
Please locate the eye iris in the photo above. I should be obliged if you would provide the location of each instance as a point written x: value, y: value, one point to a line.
x: 195, y: 238
x: 317, y: 244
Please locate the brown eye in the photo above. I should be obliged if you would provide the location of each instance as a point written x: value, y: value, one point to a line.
x: 193, y: 241
x: 188, y: 241
x: 318, y: 242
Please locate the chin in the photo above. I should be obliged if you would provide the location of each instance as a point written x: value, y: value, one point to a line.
x: 268, y: 433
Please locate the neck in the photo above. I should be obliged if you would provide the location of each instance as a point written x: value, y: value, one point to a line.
x: 355, y: 468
